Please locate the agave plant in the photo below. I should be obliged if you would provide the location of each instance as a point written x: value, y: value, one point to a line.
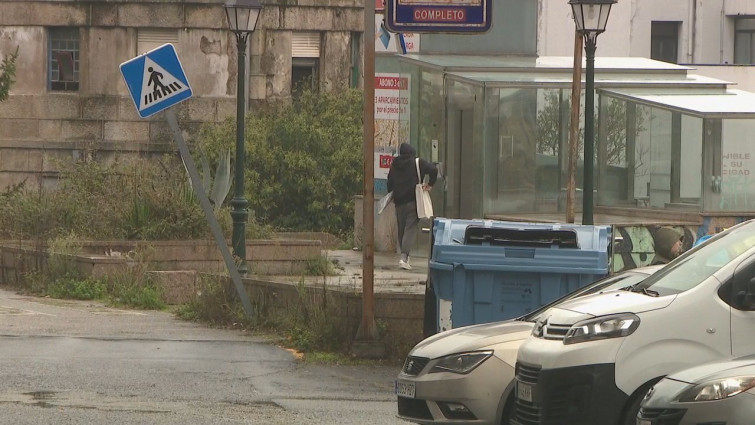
x: 216, y: 187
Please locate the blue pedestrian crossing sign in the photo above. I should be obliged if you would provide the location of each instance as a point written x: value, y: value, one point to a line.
x: 156, y: 80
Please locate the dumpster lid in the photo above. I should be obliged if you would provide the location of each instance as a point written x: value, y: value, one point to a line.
x: 480, y: 235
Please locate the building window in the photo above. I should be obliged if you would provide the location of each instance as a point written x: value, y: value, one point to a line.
x: 151, y: 38
x: 64, y: 59
x: 744, y: 41
x: 664, y: 41
x: 305, y: 61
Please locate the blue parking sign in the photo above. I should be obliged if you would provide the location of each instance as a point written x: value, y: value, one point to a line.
x: 156, y: 80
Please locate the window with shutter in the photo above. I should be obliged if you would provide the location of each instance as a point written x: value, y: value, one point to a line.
x: 152, y: 38
x: 305, y: 60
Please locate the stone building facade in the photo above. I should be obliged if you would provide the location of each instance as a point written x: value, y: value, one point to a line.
x: 69, y: 100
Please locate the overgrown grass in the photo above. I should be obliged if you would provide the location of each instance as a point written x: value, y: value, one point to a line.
x: 134, y: 287
x: 132, y: 199
x: 214, y: 303
x: 308, y: 322
x: 62, y: 279
x: 320, y: 266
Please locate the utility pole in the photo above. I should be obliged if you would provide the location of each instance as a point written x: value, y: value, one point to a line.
x: 367, y: 344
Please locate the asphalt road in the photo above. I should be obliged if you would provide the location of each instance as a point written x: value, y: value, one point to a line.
x: 72, y: 362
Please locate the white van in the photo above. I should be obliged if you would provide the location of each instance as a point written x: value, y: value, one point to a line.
x: 591, y: 360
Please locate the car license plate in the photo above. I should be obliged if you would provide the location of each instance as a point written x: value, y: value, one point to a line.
x: 524, y: 391
x: 643, y: 422
x: 405, y: 389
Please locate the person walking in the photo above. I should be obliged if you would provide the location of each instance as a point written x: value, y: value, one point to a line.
x: 402, y: 179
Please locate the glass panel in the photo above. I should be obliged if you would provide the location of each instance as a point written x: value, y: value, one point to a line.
x: 690, y: 189
x: 737, y: 166
x: 551, y: 146
x: 642, y: 159
x: 660, y: 140
x: 517, y: 141
x: 465, y: 129
x: 615, y: 151
x: 511, y: 150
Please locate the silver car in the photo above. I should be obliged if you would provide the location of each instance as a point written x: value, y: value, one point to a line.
x: 715, y: 393
x: 465, y: 375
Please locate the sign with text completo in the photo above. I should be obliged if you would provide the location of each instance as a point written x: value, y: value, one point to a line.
x: 438, y: 16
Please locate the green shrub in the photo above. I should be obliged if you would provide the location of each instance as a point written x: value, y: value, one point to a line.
x: 77, y: 288
x: 145, y: 297
x: 303, y: 162
x: 135, y: 199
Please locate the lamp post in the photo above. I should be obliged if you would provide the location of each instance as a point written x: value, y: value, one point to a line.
x: 590, y: 17
x: 242, y: 18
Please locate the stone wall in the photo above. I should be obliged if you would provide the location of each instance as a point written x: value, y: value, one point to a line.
x: 400, y: 315
x: 40, y: 127
x: 104, y: 258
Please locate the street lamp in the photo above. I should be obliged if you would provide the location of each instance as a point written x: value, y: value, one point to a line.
x: 242, y: 18
x: 590, y: 17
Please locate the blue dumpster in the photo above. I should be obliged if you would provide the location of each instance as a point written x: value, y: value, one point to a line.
x: 484, y: 270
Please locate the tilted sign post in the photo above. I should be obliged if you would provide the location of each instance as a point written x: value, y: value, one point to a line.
x: 156, y: 81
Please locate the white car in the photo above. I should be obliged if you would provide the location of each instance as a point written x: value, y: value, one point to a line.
x: 466, y: 375
x: 714, y: 393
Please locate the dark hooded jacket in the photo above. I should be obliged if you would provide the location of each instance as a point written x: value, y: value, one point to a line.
x: 664, y: 240
x: 402, y: 176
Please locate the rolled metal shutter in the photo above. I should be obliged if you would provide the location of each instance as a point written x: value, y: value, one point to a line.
x: 305, y: 45
x: 151, y: 38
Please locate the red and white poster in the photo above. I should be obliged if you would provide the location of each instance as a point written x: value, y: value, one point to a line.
x: 392, y: 94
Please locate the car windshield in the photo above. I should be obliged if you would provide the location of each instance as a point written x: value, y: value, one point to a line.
x: 617, y: 281
x: 700, y: 263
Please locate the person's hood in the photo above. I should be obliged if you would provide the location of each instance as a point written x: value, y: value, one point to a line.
x: 407, y: 149
x: 614, y: 302
x: 471, y: 338
x: 664, y: 240
x: 406, y: 156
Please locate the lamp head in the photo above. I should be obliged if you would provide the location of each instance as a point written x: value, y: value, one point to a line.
x: 591, y: 16
x: 242, y: 15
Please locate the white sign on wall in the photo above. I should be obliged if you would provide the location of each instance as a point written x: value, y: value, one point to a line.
x: 392, y: 93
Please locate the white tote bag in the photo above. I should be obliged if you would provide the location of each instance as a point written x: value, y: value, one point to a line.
x: 424, y: 203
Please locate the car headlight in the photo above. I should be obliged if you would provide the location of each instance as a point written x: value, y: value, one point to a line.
x: 718, y: 389
x: 603, y: 327
x: 461, y: 362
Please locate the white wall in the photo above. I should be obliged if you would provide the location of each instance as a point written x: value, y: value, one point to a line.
x: 710, y: 40
x: 743, y: 76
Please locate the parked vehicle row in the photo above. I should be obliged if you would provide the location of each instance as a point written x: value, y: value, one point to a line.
x: 655, y: 346
x: 466, y: 375
x: 593, y: 359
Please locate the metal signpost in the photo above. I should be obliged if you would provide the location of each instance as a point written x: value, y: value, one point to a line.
x: 156, y: 81
x: 438, y: 16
